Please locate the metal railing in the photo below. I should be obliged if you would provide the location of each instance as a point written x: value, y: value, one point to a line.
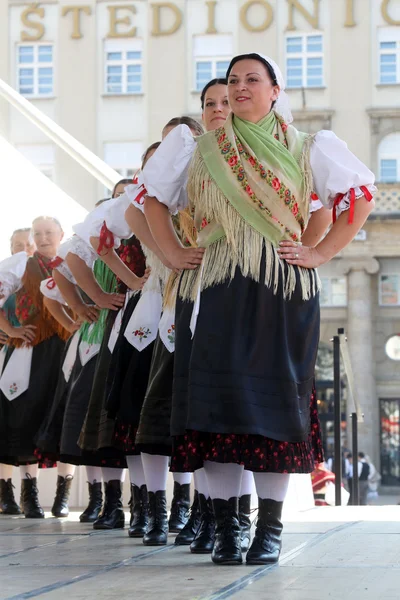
x: 341, y: 353
x: 83, y: 156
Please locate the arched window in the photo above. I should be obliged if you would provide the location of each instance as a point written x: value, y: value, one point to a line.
x: 389, y: 158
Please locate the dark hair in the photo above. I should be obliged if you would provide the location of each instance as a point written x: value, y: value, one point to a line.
x: 20, y: 230
x: 153, y: 146
x: 101, y: 201
x: 253, y: 56
x: 120, y: 182
x: 361, y: 455
x: 217, y: 81
x: 189, y: 121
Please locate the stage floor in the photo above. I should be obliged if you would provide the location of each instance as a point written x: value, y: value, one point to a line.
x: 328, y: 553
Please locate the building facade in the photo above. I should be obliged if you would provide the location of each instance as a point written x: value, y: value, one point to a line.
x: 112, y: 73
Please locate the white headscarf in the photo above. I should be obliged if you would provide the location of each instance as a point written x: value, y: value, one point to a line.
x: 282, y: 105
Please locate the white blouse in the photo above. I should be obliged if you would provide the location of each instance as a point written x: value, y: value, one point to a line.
x: 335, y: 171
x: 49, y: 289
x: 12, y: 270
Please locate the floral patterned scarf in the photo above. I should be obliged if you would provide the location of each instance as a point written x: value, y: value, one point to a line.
x: 30, y: 309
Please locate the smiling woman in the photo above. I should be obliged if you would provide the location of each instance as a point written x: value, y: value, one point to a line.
x: 247, y: 320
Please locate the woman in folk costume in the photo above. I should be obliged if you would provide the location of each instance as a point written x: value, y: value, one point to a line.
x: 86, y: 371
x: 244, y: 385
x: 29, y: 377
x: 131, y: 358
x: 22, y: 247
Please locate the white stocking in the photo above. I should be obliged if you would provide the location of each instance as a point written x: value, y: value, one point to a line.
x: 111, y: 474
x: 183, y: 478
x: 65, y: 469
x: 93, y: 474
x: 6, y: 472
x: 201, y: 483
x: 224, y: 479
x: 155, y: 471
x: 247, y: 483
x: 136, y: 472
x: 272, y: 486
x: 31, y: 470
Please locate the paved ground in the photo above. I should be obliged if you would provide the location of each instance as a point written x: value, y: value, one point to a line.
x: 329, y: 553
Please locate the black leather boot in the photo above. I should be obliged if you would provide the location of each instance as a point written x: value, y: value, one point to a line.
x: 157, y: 532
x: 180, y: 507
x: 112, y: 516
x: 186, y: 536
x: 139, y: 504
x: 8, y: 506
x: 227, y: 545
x: 30, y: 499
x: 60, y: 504
x: 267, y: 543
x: 203, y: 543
x: 244, y: 520
x: 93, y: 509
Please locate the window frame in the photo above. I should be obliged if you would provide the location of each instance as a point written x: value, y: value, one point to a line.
x: 124, y: 62
x: 35, y: 66
x: 381, y: 304
x: 387, y: 51
x: 330, y: 304
x: 208, y: 59
x: 305, y: 55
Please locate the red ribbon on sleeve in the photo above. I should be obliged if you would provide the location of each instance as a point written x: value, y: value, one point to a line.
x: 106, y: 239
x: 141, y: 195
x: 352, y: 192
x: 51, y: 284
x: 56, y: 262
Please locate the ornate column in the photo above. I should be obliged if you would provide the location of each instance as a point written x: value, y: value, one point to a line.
x: 361, y: 347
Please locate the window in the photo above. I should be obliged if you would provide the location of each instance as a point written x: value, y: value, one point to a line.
x: 389, y: 290
x: 334, y: 291
x: 389, y: 158
x: 124, y: 157
x: 304, y: 61
x: 212, y: 55
x: 35, y: 70
x: 389, y: 55
x: 123, y: 67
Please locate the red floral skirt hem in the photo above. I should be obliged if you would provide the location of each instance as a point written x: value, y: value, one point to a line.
x: 124, y: 438
x: 255, y: 452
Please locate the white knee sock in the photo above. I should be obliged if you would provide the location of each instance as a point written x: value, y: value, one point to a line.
x: 201, y: 483
x: 64, y: 469
x: 93, y: 474
x: 183, y: 478
x: 136, y: 472
x: 111, y: 474
x: 272, y: 486
x: 224, y: 479
x: 247, y: 483
x: 31, y: 470
x: 155, y: 471
x: 6, y: 472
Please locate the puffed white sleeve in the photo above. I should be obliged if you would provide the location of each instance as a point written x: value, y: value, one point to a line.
x: 114, y: 219
x: 12, y: 270
x: 339, y: 176
x: 49, y: 289
x: 165, y: 175
x: 85, y: 251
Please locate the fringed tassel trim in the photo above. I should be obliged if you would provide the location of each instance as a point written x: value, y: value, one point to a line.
x: 242, y: 247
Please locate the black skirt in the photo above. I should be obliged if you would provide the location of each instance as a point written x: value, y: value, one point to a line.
x: 21, y: 419
x: 76, y: 405
x: 154, y: 432
x: 249, y: 371
x: 127, y: 383
x: 49, y: 435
